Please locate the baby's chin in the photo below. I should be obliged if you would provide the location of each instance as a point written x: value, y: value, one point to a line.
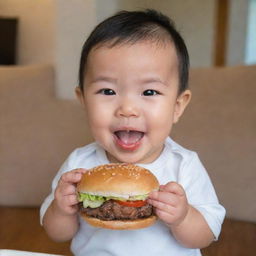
x: 131, y: 158
x: 121, y: 159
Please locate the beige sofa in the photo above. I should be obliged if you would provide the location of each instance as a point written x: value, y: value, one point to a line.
x: 38, y: 131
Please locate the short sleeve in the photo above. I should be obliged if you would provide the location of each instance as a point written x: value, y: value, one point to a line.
x: 201, y: 194
x: 67, y: 166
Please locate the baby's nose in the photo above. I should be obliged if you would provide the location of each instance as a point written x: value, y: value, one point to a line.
x: 127, y: 108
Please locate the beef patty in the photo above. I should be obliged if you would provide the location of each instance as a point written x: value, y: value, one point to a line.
x: 111, y: 210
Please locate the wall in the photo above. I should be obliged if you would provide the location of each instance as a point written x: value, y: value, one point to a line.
x: 36, y: 38
x: 250, y: 53
x: 194, y: 19
x: 237, y: 32
x: 53, y: 31
x: 59, y: 27
x: 75, y: 20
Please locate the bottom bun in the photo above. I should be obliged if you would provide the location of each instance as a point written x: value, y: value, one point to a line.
x: 119, y: 224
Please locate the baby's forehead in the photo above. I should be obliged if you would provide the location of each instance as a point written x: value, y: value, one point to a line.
x: 144, y: 52
x: 122, y: 46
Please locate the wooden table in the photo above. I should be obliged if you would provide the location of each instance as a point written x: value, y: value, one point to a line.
x: 20, y: 230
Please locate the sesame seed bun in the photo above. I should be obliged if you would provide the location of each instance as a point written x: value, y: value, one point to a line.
x: 122, y: 180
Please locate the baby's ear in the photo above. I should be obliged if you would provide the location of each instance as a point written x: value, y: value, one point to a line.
x: 80, y: 95
x: 181, y: 103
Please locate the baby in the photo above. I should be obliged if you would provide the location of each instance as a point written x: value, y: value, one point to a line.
x: 133, y: 85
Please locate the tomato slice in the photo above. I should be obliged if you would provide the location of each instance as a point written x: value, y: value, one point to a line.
x: 138, y: 203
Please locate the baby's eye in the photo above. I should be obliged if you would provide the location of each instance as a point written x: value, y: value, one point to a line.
x: 107, y: 91
x: 150, y: 93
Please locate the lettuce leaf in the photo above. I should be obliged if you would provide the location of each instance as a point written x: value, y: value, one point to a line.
x: 95, y: 201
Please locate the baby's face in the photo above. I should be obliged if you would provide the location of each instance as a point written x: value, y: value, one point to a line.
x: 131, y: 99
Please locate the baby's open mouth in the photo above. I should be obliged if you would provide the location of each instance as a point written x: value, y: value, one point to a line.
x: 128, y: 139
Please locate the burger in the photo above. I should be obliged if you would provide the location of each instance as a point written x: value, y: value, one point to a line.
x: 113, y: 196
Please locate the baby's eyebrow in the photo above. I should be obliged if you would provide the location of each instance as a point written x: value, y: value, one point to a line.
x: 147, y: 80
x: 153, y: 80
x: 104, y: 79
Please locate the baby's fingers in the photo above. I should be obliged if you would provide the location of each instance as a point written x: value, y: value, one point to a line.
x: 66, y: 189
x: 72, y: 176
x: 161, y: 206
x: 174, y: 188
x: 69, y: 204
x: 163, y: 198
x: 165, y: 216
x: 70, y: 200
x: 165, y: 212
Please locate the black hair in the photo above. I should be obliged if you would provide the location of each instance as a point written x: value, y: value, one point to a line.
x: 134, y: 26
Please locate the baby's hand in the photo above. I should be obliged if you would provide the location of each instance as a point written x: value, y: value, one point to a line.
x: 170, y: 203
x: 66, y: 202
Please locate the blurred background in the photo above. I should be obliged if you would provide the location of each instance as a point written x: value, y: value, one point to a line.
x: 217, y: 32
x: 41, y: 122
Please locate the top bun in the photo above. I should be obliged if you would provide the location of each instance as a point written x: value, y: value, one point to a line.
x: 121, y: 180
